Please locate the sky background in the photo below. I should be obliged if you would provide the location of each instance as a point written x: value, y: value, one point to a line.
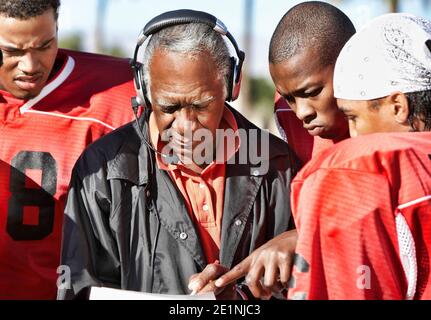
x: 125, y: 18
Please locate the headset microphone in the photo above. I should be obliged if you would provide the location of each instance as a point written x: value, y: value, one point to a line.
x: 167, y: 158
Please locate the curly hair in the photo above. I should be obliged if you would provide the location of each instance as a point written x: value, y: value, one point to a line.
x: 420, y: 108
x: 26, y: 9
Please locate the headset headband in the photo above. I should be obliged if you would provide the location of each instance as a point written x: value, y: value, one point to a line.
x: 185, y: 16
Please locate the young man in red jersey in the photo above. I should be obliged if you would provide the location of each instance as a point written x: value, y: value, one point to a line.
x: 302, y: 56
x: 53, y: 103
x: 377, y: 238
x: 363, y: 207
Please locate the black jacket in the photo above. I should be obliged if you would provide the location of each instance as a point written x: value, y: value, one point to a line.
x: 127, y: 226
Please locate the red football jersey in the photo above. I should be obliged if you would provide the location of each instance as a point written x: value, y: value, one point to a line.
x: 41, y: 140
x: 363, y: 213
x: 293, y: 132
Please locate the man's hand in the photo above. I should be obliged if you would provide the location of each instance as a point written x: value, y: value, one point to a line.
x: 204, y: 282
x: 271, y: 262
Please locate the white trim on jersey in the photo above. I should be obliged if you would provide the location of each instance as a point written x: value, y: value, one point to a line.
x: 70, y: 117
x: 50, y: 87
x: 412, y: 203
x: 54, y: 84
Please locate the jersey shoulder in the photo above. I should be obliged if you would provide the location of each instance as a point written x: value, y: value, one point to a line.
x: 89, y: 86
x: 373, y: 153
x: 99, y: 67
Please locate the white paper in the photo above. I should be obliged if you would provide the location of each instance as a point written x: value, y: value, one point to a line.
x: 97, y: 293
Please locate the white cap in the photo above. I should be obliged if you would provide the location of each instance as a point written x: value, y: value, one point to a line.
x: 389, y: 54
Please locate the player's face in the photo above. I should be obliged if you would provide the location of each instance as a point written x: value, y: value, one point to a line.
x: 370, y: 116
x: 187, y: 94
x: 307, y: 87
x: 29, y: 49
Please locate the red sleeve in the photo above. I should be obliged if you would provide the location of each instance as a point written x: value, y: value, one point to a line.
x: 347, y: 246
x: 292, y: 130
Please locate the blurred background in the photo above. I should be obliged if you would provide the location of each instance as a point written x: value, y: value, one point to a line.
x: 112, y: 26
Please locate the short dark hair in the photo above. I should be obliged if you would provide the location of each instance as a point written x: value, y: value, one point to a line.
x: 420, y: 108
x: 311, y: 25
x: 26, y: 9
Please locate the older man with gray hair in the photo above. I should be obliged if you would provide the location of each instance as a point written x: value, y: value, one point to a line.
x: 160, y: 199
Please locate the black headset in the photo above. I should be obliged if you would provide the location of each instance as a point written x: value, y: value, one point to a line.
x: 177, y: 17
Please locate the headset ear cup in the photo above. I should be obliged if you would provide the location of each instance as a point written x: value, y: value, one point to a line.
x: 141, y: 90
x: 236, y: 88
x: 231, y: 79
x: 136, y: 67
x: 235, y: 81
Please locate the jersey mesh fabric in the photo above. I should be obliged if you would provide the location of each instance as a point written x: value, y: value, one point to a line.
x: 407, y: 254
x: 345, y: 203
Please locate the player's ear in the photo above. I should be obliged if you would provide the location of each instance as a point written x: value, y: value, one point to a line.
x: 400, y: 107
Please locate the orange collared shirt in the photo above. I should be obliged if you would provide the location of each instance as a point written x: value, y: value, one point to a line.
x: 203, y: 192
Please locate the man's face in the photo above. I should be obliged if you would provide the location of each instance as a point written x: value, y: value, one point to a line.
x: 307, y: 87
x: 187, y: 94
x: 370, y: 116
x: 29, y: 49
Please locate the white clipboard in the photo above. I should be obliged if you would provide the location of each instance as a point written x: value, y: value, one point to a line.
x: 103, y: 293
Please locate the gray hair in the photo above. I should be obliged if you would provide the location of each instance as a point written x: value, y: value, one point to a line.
x: 191, y: 39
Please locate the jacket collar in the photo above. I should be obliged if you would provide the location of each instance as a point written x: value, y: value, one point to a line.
x: 132, y: 161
